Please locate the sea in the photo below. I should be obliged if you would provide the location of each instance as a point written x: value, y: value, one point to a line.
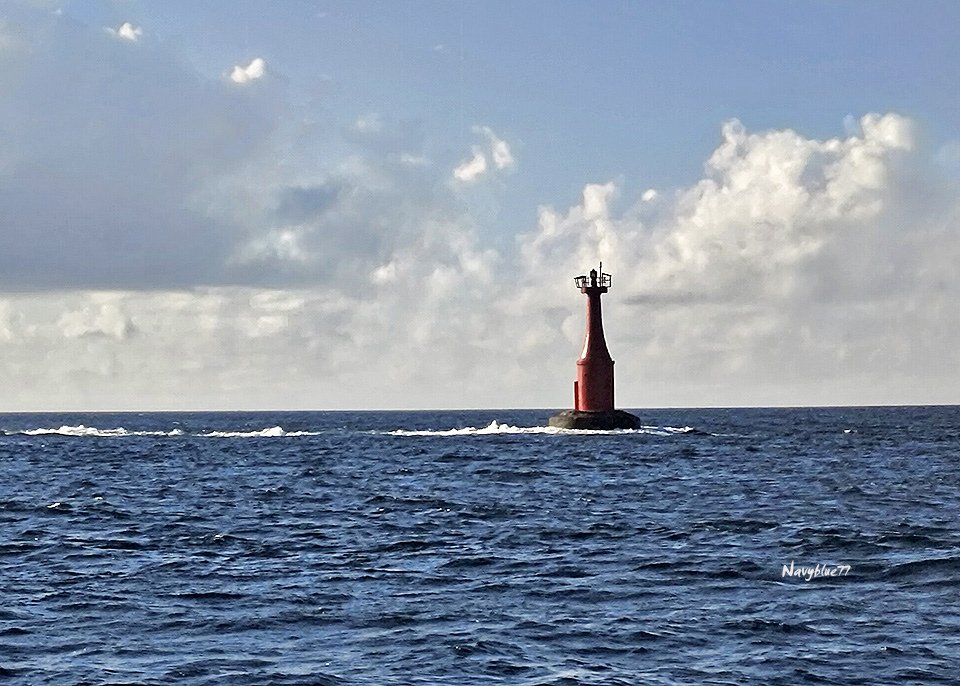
x: 713, y: 546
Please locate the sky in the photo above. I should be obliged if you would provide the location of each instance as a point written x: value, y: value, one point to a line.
x: 375, y: 205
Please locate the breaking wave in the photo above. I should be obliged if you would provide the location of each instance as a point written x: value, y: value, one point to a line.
x: 272, y: 432
x: 82, y: 431
x: 496, y: 428
x: 493, y: 428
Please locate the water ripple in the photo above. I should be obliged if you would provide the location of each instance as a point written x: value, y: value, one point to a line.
x: 436, y: 548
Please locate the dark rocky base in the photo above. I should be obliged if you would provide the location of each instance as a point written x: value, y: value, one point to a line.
x: 611, y: 419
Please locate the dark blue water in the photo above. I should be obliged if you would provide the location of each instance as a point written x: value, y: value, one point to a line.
x: 326, y: 548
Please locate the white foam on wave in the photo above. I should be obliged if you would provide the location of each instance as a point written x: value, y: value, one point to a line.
x: 674, y: 429
x: 272, y: 432
x: 82, y: 431
x: 87, y: 431
x: 496, y: 428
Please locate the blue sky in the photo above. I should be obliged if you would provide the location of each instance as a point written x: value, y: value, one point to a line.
x: 322, y: 204
x: 591, y: 91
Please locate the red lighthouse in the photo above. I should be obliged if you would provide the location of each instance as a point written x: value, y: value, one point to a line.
x: 593, y: 389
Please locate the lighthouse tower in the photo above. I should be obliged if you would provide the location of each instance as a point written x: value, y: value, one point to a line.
x: 593, y: 389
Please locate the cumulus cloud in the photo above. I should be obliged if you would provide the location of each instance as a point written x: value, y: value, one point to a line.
x: 797, y: 268
x: 127, y: 32
x: 499, y: 149
x: 251, y: 72
x: 496, y: 154
x: 472, y: 168
x: 370, y: 219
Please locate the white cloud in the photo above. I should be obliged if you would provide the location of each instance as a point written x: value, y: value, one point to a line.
x: 7, y: 326
x: 596, y: 199
x: 499, y: 149
x: 472, y: 168
x: 127, y: 31
x: 277, y: 245
x: 251, y: 72
x: 103, y: 319
x: 496, y: 155
x: 384, y: 274
x: 797, y: 270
